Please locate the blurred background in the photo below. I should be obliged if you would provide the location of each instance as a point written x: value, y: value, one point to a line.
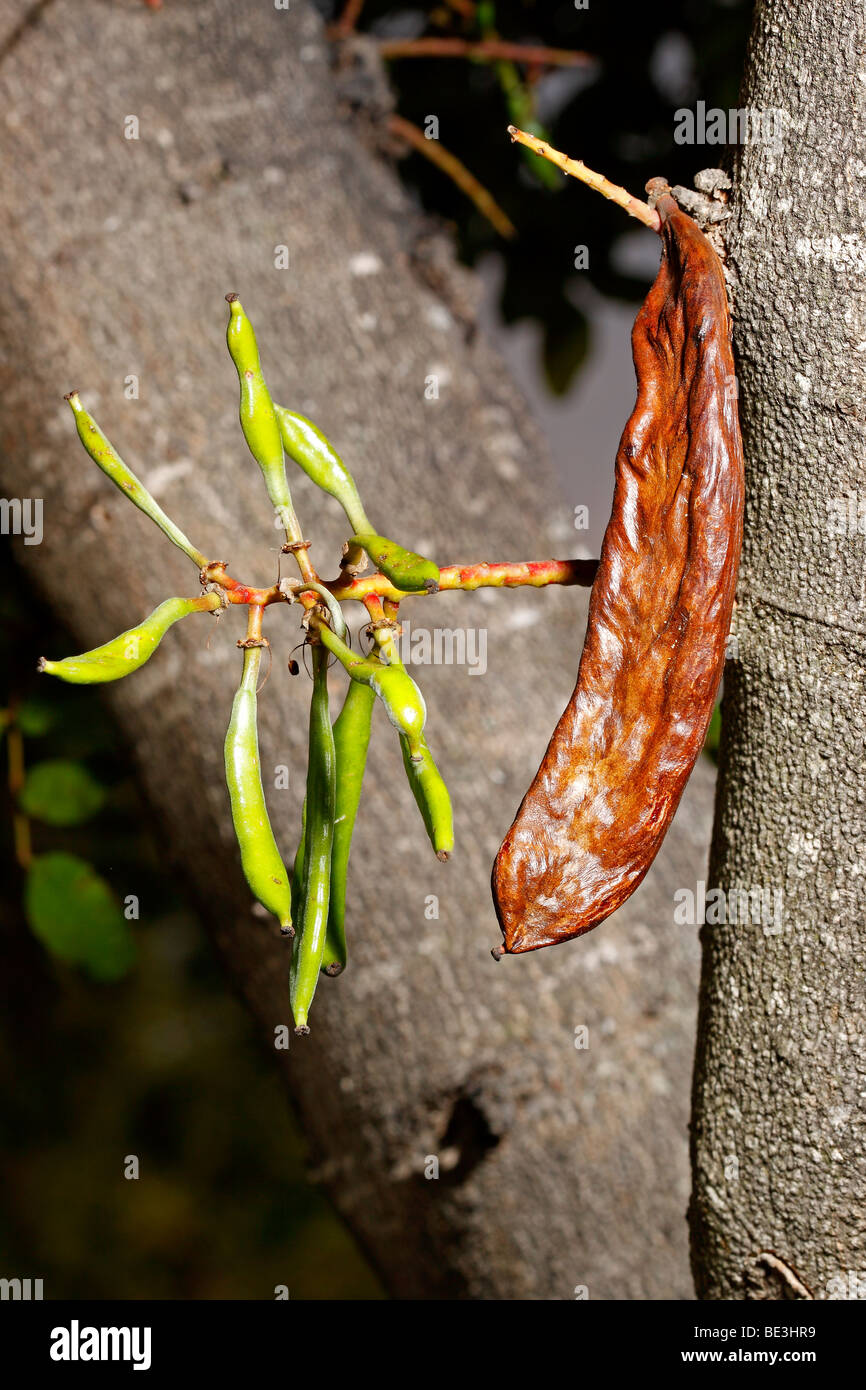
x: 153, y: 1044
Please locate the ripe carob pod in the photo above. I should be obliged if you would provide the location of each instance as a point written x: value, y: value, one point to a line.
x: 596, y: 814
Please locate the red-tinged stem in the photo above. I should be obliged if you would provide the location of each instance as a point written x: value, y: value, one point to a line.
x: 371, y: 590
x: 383, y: 632
x: 536, y: 574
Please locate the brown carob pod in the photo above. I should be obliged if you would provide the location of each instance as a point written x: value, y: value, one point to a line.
x: 595, y: 816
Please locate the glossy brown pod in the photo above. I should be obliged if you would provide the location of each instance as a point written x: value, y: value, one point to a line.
x: 595, y: 816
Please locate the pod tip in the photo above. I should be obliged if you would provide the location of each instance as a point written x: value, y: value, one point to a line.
x: 41, y: 663
x: 443, y: 855
x: 232, y: 297
x: 287, y: 930
x: 302, y: 1030
x: 334, y: 969
x: 72, y: 398
x: 497, y: 952
x: 431, y: 586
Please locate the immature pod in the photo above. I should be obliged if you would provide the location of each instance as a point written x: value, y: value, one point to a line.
x: 407, y: 571
x: 594, y: 818
x: 351, y: 741
x: 257, y: 415
x: 106, y: 456
x: 307, y: 446
x: 431, y: 794
x: 403, y: 701
x: 263, y: 867
x: 405, y: 708
x: 315, y: 883
x: 131, y: 649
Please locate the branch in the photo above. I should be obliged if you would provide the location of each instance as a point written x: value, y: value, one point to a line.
x: 536, y: 574
x: 487, y: 50
x: 513, y: 574
x: 578, y: 170
x: 452, y: 166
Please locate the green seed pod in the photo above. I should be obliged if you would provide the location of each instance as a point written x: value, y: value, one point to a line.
x: 105, y: 455
x: 131, y: 649
x: 315, y: 890
x: 430, y: 793
x: 304, y: 442
x: 263, y: 867
x: 407, y: 571
x: 403, y: 701
x: 257, y: 415
x: 351, y: 740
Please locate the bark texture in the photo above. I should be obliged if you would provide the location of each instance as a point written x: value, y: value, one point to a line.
x: 559, y: 1167
x: 778, y: 1153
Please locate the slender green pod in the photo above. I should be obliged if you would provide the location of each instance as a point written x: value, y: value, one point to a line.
x: 431, y: 794
x: 351, y: 741
x: 307, y: 446
x: 263, y: 867
x: 407, y: 571
x: 106, y: 456
x: 315, y: 886
x: 403, y: 701
x: 257, y: 415
x: 131, y: 649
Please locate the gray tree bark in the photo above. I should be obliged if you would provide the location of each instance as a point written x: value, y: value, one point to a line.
x: 559, y: 1167
x: 778, y: 1155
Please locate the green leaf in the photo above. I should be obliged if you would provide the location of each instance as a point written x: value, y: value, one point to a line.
x: 35, y: 717
x: 75, y: 915
x: 60, y: 792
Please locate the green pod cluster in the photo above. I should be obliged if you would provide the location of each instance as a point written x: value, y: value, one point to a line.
x: 131, y: 649
x: 257, y: 414
x: 351, y: 741
x: 261, y: 861
x: 407, y: 571
x: 431, y: 794
x: 106, y: 456
x: 314, y: 890
x: 307, y: 446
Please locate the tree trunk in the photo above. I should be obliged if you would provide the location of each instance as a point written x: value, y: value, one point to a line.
x: 778, y: 1166
x: 558, y: 1167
